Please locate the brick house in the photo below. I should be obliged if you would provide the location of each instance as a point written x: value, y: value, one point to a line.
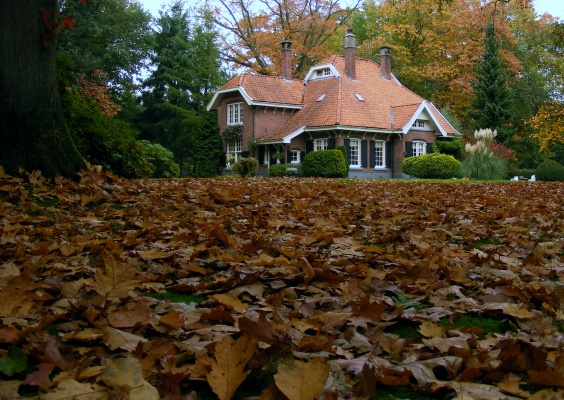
x: 341, y: 101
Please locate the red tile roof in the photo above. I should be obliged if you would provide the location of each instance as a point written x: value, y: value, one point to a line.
x: 268, y: 89
x: 385, y: 104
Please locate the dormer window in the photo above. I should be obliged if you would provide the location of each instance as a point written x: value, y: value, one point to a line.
x: 323, y: 73
x: 419, y: 123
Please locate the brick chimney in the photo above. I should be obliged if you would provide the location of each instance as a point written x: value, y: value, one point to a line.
x: 386, y: 62
x: 350, y: 54
x: 286, y: 59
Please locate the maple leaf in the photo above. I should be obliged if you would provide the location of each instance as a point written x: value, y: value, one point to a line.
x: 125, y: 375
x: 302, y: 381
x: 116, y: 280
x: 71, y: 389
x: 227, y: 368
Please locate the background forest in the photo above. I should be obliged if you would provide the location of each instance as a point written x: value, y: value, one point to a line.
x: 135, y: 88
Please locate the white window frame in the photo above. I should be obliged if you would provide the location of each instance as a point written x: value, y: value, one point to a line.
x: 320, y: 144
x: 419, y: 124
x: 379, y: 154
x: 355, y: 157
x: 295, y: 157
x: 235, y: 113
x: 323, y: 72
x: 419, y: 148
x: 234, y: 151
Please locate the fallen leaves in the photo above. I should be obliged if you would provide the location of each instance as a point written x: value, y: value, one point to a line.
x: 323, y: 288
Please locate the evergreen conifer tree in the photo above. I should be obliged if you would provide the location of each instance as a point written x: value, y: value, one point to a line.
x: 492, y: 104
x: 187, y: 71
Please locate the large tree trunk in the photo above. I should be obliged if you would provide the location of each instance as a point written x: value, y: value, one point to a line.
x: 33, y: 133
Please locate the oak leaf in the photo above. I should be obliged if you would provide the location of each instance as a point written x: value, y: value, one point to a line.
x: 302, y: 381
x: 228, y: 366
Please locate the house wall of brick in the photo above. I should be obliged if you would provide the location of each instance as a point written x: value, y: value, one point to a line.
x: 267, y: 119
x: 400, y: 145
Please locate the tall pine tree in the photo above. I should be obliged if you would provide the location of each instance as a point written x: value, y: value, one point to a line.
x: 187, y: 71
x: 492, y: 104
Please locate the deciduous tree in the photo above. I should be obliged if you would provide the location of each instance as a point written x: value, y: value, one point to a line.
x: 112, y: 36
x: 254, y: 31
x: 549, y: 124
x: 33, y: 133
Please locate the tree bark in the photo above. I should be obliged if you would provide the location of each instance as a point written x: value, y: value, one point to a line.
x: 33, y: 133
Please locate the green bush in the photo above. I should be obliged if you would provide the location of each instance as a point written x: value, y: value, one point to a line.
x: 245, y: 167
x: 325, y: 163
x: 432, y: 166
x: 550, y: 171
x: 344, y: 151
x: 278, y: 170
x: 409, y: 166
x: 162, y: 159
x: 453, y: 148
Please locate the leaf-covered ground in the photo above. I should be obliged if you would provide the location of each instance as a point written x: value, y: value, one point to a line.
x: 290, y: 288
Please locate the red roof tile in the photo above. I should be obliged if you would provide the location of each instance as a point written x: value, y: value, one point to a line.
x: 383, y: 104
x: 268, y: 89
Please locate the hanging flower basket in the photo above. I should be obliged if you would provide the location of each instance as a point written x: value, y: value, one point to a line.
x: 232, y: 132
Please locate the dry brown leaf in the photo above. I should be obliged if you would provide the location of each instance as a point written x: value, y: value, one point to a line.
x: 117, y: 278
x: 302, y: 381
x: 430, y: 329
x: 230, y: 302
x: 71, y: 389
x: 548, y: 394
x: 228, y: 366
x: 125, y: 375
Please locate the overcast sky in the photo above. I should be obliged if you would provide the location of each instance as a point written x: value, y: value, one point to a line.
x: 554, y: 7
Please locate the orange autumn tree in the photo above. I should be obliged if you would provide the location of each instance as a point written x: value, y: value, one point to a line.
x: 253, y: 31
x: 549, y: 124
x: 435, y: 43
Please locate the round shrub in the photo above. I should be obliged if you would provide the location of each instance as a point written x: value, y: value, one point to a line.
x: 409, y: 165
x: 453, y: 147
x: 432, y: 166
x: 325, y: 164
x: 550, y: 171
x: 278, y: 170
x: 245, y: 167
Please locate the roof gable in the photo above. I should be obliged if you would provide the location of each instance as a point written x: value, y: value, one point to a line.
x: 369, y: 102
x: 262, y: 90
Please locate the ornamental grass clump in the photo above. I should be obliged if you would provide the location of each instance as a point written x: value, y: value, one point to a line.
x: 481, y: 162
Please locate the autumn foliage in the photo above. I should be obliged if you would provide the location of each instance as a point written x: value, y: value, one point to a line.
x: 305, y: 281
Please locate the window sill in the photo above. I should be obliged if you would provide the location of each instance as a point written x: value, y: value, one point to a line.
x: 355, y: 168
x: 380, y: 168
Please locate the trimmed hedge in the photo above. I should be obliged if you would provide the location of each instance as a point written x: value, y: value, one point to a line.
x: 278, y: 170
x: 432, y: 166
x: 245, y: 167
x: 550, y: 171
x: 325, y: 164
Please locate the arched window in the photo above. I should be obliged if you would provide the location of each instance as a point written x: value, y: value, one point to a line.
x: 419, y: 148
